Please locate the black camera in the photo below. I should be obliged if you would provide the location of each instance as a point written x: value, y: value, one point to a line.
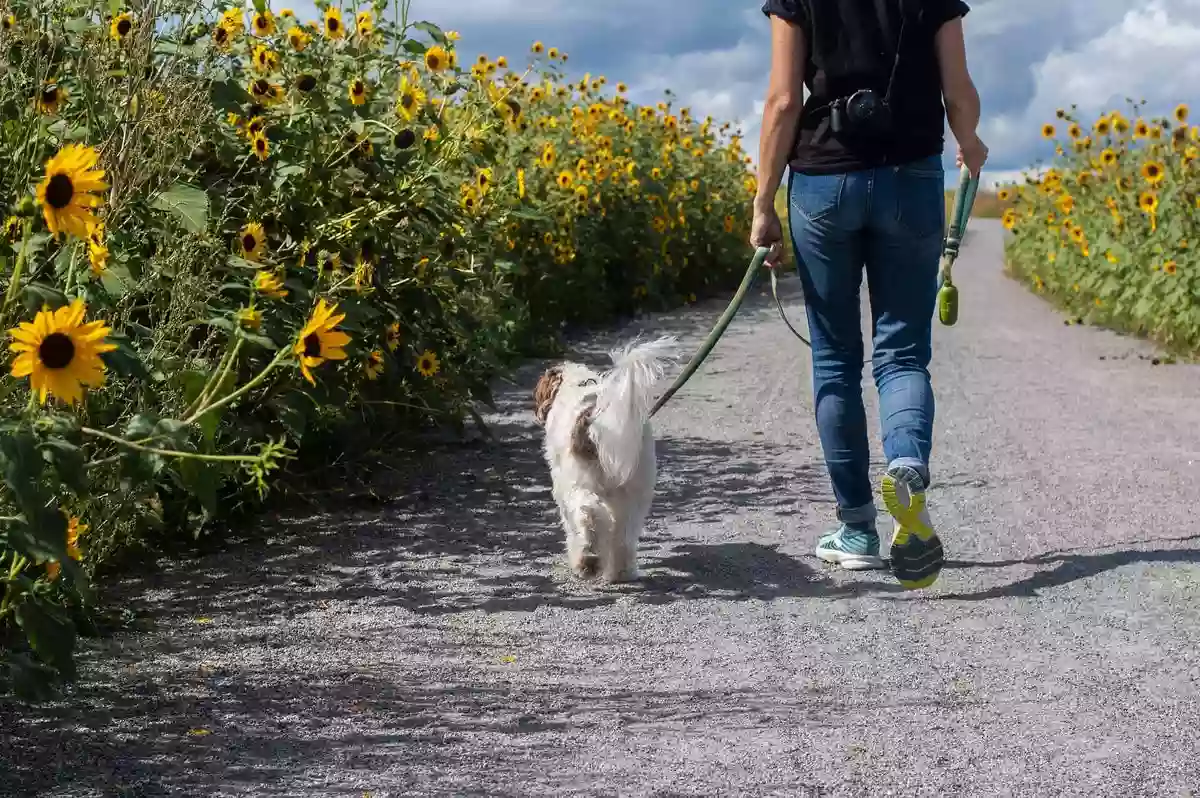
x: 864, y: 114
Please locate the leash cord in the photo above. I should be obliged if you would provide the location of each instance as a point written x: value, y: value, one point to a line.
x: 964, y: 200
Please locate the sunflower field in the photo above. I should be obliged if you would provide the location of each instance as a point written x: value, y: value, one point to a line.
x: 1109, y: 232
x: 229, y: 231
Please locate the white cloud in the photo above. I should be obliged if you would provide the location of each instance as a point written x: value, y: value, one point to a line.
x: 1149, y: 54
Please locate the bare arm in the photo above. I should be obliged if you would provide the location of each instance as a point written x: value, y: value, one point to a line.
x: 781, y: 111
x: 962, y: 98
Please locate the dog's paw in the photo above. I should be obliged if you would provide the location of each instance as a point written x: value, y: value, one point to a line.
x: 587, y: 567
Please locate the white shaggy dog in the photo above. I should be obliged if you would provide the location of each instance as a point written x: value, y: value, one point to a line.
x: 600, y: 450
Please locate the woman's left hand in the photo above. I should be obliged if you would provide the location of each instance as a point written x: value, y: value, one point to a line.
x: 766, y: 231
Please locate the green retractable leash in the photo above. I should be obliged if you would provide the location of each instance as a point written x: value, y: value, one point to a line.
x: 964, y: 200
x: 947, y: 292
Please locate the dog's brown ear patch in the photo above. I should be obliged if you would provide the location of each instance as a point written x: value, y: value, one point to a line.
x: 582, y: 444
x: 544, y: 393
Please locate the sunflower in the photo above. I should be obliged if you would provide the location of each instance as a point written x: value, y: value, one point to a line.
x: 269, y: 285
x: 410, y: 100
x: 392, y: 336
x: 483, y: 179
x: 249, y: 318
x: 548, y: 156
x: 12, y: 229
x: 1170, y: 267
x: 298, y: 38
x: 1103, y: 126
x: 264, y: 91
x: 1148, y: 202
x: 305, y: 83
x: 1153, y: 172
x: 234, y: 20
x: 265, y: 60
x: 318, y: 341
x: 260, y: 146
x: 502, y: 62
x: 7, y: 22
x: 436, y: 58
x: 59, y: 353
x: 1078, y: 235
x: 74, y: 530
x: 538, y: 48
x: 334, y: 29
x: 565, y: 179
x: 120, y: 26
x: 428, y: 364
x: 1140, y: 129
x: 1108, y: 157
x: 263, y: 23
x: 66, y: 194
x: 1181, y: 113
x: 358, y: 91
x: 97, y: 249
x: 404, y: 139
x: 374, y: 365
x: 521, y: 183
x: 365, y: 24
x: 1048, y: 131
x: 470, y: 199
x: 222, y: 37
x: 729, y: 224
x: 253, y: 241
x: 50, y: 98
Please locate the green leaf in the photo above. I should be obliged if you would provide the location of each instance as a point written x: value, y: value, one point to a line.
x: 116, y: 280
x: 45, y: 538
x: 67, y: 460
x: 23, y: 470
x: 415, y: 47
x: 29, y: 679
x: 124, y: 359
x: 50, y: 633
x: 187, y: 202
x: 35, y: 296
x: 261, y: 340
x: 433, y: 30
x: 141, y: 426
x: 202, y: 480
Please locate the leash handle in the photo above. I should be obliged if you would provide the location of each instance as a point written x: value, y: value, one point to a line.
x: 964, y: 201
x: 760, y: 256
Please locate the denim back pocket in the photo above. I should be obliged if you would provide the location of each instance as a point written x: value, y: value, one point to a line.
x: 816, y: 197
x: 921, y: 197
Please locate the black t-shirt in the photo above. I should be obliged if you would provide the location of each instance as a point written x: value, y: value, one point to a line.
x: 852, y: 46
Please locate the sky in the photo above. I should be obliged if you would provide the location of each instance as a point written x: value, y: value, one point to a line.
x: 1027, y: 57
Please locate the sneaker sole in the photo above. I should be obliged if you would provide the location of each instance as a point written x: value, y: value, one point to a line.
x: 851, y: 562
x: 917, y: 556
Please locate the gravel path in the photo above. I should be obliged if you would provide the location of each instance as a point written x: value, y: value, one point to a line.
x: 435, y: 645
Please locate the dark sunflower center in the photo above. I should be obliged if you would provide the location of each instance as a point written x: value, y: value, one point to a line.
x: 405, y: 139
x: 514, y: 107
x: 56, y: 351
x: 221, y: 35
x: 312, y: 345
x: 433, y: 62
x: 59, y: 192
x: 261, y: 87
x: 260, y: 23
x: 333, y: 24
x: 359, y: 88
x: 260, y: 144
x: 407, y: 100
x: 124, y: 26
x: 50, y: 95
x: 249, y: 242
x: 306, y: 83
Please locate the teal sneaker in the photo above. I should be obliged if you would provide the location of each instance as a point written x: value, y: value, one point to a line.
x: 917, y: 556
x: 852, y: 549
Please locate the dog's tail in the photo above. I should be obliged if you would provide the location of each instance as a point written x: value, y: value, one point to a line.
x: 623, y: 404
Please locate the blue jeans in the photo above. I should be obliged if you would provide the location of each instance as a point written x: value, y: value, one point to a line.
x: 887, y: 221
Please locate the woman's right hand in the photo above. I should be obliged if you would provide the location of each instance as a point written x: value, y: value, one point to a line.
x: 974, y: 154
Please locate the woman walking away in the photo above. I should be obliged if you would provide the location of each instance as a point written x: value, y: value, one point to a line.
x: 866, y: 192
